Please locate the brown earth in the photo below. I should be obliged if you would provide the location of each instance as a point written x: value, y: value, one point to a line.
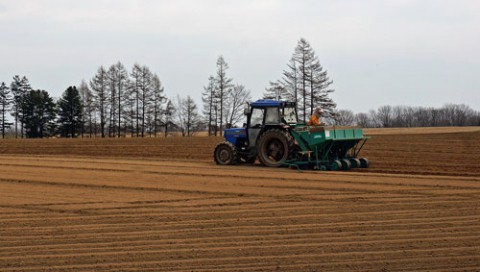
x: 125, y: 205
x: 437, y: 151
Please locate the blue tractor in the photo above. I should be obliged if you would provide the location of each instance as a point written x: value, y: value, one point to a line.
x: 273, y: 135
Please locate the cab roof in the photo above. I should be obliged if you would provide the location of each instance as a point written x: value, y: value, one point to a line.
x: 268, y: 103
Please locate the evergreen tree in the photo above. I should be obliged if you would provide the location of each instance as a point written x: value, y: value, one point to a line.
x: 5, y: 102
x: 168, y: 116
x: 158, y: 99
x: 70, y: 110
x: 19, y: 88
x: 38, y: 113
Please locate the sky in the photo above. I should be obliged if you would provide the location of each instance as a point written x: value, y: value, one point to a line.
x: 397, y: 52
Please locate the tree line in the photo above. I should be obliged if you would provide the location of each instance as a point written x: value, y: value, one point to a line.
x: 120, y: 103
x: 35, y: 113
x: 407, y: 116
x: 117, y: 102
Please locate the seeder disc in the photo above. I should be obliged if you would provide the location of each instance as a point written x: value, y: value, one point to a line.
x: 355, y: 163
x: 364, y: 162
x: 335, y: 165
x: 346, y: 165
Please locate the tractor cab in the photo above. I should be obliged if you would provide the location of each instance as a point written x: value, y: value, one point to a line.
x: 261, y: 115
x: 267, y: 114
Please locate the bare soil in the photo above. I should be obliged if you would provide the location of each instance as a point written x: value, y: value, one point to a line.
x: 162, y: 205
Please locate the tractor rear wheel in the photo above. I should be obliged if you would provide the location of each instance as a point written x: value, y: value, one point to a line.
x: 273, y: 147
x: 225, y: 153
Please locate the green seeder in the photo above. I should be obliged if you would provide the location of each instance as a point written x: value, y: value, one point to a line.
x: 328, y: 148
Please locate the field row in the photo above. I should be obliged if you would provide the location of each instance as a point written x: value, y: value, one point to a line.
x: 433, y: 153
x: 77, y: 214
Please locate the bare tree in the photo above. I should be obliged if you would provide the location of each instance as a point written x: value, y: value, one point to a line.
x: 406, y: 116
x: 223, y: 84
x: 88, y: 107
x: 141, y: 90
x: 118, y: 80
x: 236, y: 100
x: 208, y: 99
x: 304, y: 57
x: 6, y: 99
x: 363, y: 120
x: 188, y: 117
x: 99, y: 86
x: 384, y: 116
x: 344, y: 118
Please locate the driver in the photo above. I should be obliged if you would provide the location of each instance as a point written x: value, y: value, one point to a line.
x: 315, y: 118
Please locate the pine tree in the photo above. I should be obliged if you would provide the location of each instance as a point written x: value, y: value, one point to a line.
x: 19, y: 88
x: 158, y: 99
x: 70, y: 111
x: 38, y: 113
x: 168, y: 116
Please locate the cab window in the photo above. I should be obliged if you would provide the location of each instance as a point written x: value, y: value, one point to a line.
x: 290, y: 115
x: 256, y: 119
x: 272, y: 116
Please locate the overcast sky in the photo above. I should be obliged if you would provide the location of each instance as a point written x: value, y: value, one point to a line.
x: 402, y: 52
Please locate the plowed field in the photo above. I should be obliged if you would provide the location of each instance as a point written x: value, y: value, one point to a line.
x: 162, y: 205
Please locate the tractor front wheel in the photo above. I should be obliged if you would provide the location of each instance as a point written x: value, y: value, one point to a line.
x: 273, y: 148
x: 225, y: 153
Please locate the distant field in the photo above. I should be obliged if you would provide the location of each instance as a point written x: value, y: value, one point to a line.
x: 411, y: 151
x: 416, y: 130
x: 158, y: 204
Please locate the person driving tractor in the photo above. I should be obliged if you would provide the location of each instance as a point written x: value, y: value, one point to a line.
x: 315, y: 118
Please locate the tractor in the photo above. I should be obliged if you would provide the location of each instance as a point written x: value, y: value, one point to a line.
x: 273, y: 135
